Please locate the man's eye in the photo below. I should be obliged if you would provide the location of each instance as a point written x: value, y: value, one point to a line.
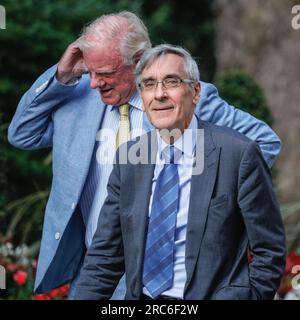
x: 171, y: 81
x: 149, y: 84
x: 104, y: 74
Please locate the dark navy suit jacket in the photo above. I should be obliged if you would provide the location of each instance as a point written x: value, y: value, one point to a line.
x: 233, y: 208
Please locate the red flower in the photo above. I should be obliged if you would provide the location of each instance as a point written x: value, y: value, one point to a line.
x: 20, y: 277
x: 291, y: 260
x: 60, y: 293
x: 54, y: 293
x: 41, y: 297
x: 65, y: 289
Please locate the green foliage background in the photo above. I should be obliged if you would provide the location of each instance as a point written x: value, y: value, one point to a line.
x: 243, y: 92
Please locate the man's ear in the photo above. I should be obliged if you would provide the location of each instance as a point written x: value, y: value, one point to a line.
x: 137, y: 57
x: 197, y: 92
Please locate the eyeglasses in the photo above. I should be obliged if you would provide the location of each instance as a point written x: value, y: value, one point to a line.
x: 167, y: 83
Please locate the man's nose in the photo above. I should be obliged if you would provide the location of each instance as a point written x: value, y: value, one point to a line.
x: 96, y: 82
x: 160, y: 91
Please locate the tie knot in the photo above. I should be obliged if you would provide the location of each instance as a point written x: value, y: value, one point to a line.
x: 171, y: 154
x: 124, y: 109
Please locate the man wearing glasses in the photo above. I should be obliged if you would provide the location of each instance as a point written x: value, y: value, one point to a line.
x: 176, y: 232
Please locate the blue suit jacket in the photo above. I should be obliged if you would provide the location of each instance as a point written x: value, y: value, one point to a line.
x: 67, y: 118
x: 232, y: 207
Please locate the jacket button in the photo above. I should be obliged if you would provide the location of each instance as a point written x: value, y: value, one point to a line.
x: 57, y: 236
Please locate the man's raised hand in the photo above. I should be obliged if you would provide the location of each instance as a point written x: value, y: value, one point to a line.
x: 71, y: 64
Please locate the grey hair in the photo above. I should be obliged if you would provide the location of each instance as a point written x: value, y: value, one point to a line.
x: 149, y: 56
x: 127, y: 29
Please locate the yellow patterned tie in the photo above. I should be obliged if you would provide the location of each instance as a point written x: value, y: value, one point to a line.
x: 123, y: 132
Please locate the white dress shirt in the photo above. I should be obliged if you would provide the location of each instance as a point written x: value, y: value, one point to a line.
x: 186, y: 145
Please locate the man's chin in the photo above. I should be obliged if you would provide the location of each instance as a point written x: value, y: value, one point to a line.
x: 162, y: 123
x: 110, y: 101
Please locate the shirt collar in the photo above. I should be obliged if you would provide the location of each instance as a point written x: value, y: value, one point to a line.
x: 185, y: 144
x: 135, y: 101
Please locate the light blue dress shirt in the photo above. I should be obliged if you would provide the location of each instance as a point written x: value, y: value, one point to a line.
x: 186, y: 147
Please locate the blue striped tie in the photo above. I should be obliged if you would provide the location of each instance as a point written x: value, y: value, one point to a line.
x: 159, y: 253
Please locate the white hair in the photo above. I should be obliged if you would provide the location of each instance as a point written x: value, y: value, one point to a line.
x: 149, y: 56
x: 125, y: 28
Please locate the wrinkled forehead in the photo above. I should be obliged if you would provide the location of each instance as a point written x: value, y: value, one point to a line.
x: 101, y: 55
x: 165, y: 64
x: 103, y: 47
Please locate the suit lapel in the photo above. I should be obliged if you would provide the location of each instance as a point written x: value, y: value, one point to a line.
x: 143, y: 174
x: 202, y: 186
x: 93, y: 114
